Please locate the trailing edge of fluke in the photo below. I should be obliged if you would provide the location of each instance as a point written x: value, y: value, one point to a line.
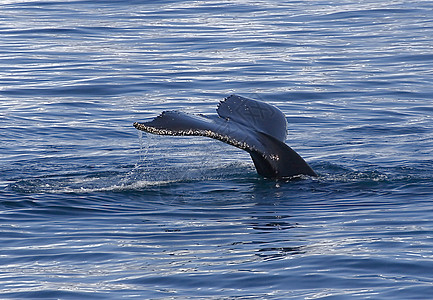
x: 254, y: 126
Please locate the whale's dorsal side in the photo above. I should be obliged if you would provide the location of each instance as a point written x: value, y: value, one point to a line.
x: 254, y: 126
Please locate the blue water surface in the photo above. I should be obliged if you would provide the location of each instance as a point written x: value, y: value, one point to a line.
x: 91, y: 209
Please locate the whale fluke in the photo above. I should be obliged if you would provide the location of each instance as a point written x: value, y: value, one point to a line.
x: 251, y: 125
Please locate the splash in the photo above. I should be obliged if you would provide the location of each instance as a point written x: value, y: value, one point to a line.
x: 161, y: 162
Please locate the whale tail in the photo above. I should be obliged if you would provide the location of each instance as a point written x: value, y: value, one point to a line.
x: 254, y: 126
x: 261, y: 116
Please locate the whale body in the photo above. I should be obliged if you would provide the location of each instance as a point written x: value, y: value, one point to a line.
x: 251, y: 125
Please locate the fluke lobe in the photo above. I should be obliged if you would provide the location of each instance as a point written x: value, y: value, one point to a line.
x: 251, y: 125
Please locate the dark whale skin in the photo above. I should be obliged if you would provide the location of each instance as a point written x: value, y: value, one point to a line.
x: 251, y: 125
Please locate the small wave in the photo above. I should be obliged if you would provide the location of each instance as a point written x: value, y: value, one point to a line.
x: 140, y: 177
x: 144, y: 177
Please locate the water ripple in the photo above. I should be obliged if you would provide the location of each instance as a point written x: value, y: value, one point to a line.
x: 86, y: 213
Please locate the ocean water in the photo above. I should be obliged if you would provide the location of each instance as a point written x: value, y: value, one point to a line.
x: 91, y: 209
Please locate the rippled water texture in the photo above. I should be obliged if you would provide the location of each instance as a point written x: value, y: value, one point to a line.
x: 90, y: 209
